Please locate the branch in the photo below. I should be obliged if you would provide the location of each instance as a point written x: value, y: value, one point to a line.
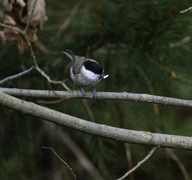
x: 68, y: 19
x: 179, y: 163
x: 49, y: 79
x: 17, y: 75
x: 188, y: 9
x: 79, y: 154
x: 139, y: 164
x: 100, y: 95
x: 23, y: 33
x: 119, y: 134
x: 61, y: 160
x: 167, y: 21
x: 30, y: 17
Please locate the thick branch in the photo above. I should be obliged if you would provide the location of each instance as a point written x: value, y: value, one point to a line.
x: 119, y: 134
x: 100, y: 95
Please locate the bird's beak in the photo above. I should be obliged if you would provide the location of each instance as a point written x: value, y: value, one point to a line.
x: 104, y: 76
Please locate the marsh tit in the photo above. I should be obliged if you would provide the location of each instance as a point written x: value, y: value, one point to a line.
x: 85, y: 72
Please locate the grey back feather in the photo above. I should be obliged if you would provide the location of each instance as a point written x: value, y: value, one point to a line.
x: 77, y: 63
x: 77, y: 60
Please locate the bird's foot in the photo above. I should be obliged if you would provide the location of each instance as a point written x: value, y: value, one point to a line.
x: 83, y: 92
x: 94, y: 93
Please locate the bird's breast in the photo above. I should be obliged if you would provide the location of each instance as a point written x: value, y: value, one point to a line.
x: 85, y: 77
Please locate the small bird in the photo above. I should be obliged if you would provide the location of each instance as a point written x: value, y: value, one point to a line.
x: 85, y: 72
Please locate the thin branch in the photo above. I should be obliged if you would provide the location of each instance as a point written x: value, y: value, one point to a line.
x: 173, y: 74
x: 188, y: 9
x: 34, y: 58
x: 49, y: 79
x: 79, y: 154
x: 11, y: 27
x: 30, y: 17
x: 61, y: 160
x: 16, y: 76
x: 68, y: 19
x: 129, y: 159
x: 179, y: 163
x: 31, y: 49
x: 167, y: 21
x: 149, y: 84
x: 139, y: 164
x: 100, y: 95
x: 119, y: 134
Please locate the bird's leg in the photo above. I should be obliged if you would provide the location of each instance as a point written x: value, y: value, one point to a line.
x: 83, y: 91
x: 94, y: 93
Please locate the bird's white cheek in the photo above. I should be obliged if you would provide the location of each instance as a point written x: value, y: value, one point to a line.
x: 85, y: 77
x: 89, y: 74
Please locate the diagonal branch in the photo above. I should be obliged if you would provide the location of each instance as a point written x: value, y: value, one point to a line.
x: 43, y: 147
x: 139, y: 164
x: 119, y: 134
x: 30, y: 17
x: 188, y: 9
x: 17, y: 75
x: 68, y: 19
x: 179, y: 163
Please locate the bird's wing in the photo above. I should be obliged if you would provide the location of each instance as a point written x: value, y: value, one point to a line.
x: 77, y: 60
x: 77, y: 63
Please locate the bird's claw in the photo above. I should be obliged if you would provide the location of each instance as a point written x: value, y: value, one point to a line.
x: 94, y: 93
x: 83, y: 92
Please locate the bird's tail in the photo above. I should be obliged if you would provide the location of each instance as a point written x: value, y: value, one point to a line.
x: 69, y: 53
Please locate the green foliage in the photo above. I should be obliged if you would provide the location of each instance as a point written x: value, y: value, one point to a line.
x: 139, y: 45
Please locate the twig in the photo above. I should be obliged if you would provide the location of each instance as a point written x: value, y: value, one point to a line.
x: 186, y: 10
x: 25, y: 36
x: 129, y: 159
x: 139, y: 163
x: 34, y: 58
x: 179, y: 163
x: 89, y: 111
x: 49, y: 79
x: 167, y: 21
x: 79, y: 154
x: 30, y: 17
x: 17, y: 75
x: 61, y: 160
x: 173, y: 74
x: 68, y: 19
x: 149, y: 84
x: 32, y: 52
x: 11, y: 27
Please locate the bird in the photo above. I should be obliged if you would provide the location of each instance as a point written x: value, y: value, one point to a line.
x: 85, y: 72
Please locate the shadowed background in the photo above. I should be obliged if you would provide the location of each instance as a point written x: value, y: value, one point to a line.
x: 144, y: 46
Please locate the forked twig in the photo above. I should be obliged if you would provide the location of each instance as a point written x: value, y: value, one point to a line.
x: 32, y: 52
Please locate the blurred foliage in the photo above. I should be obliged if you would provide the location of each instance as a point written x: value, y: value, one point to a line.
x: 139, y: 44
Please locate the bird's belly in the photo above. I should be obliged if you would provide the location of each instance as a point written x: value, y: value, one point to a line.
x: 83, y: 81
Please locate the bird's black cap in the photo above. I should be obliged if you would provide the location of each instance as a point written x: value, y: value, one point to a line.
x: 93, y: 66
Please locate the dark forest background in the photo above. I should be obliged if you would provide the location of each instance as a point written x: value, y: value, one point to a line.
x: 145, y: 47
